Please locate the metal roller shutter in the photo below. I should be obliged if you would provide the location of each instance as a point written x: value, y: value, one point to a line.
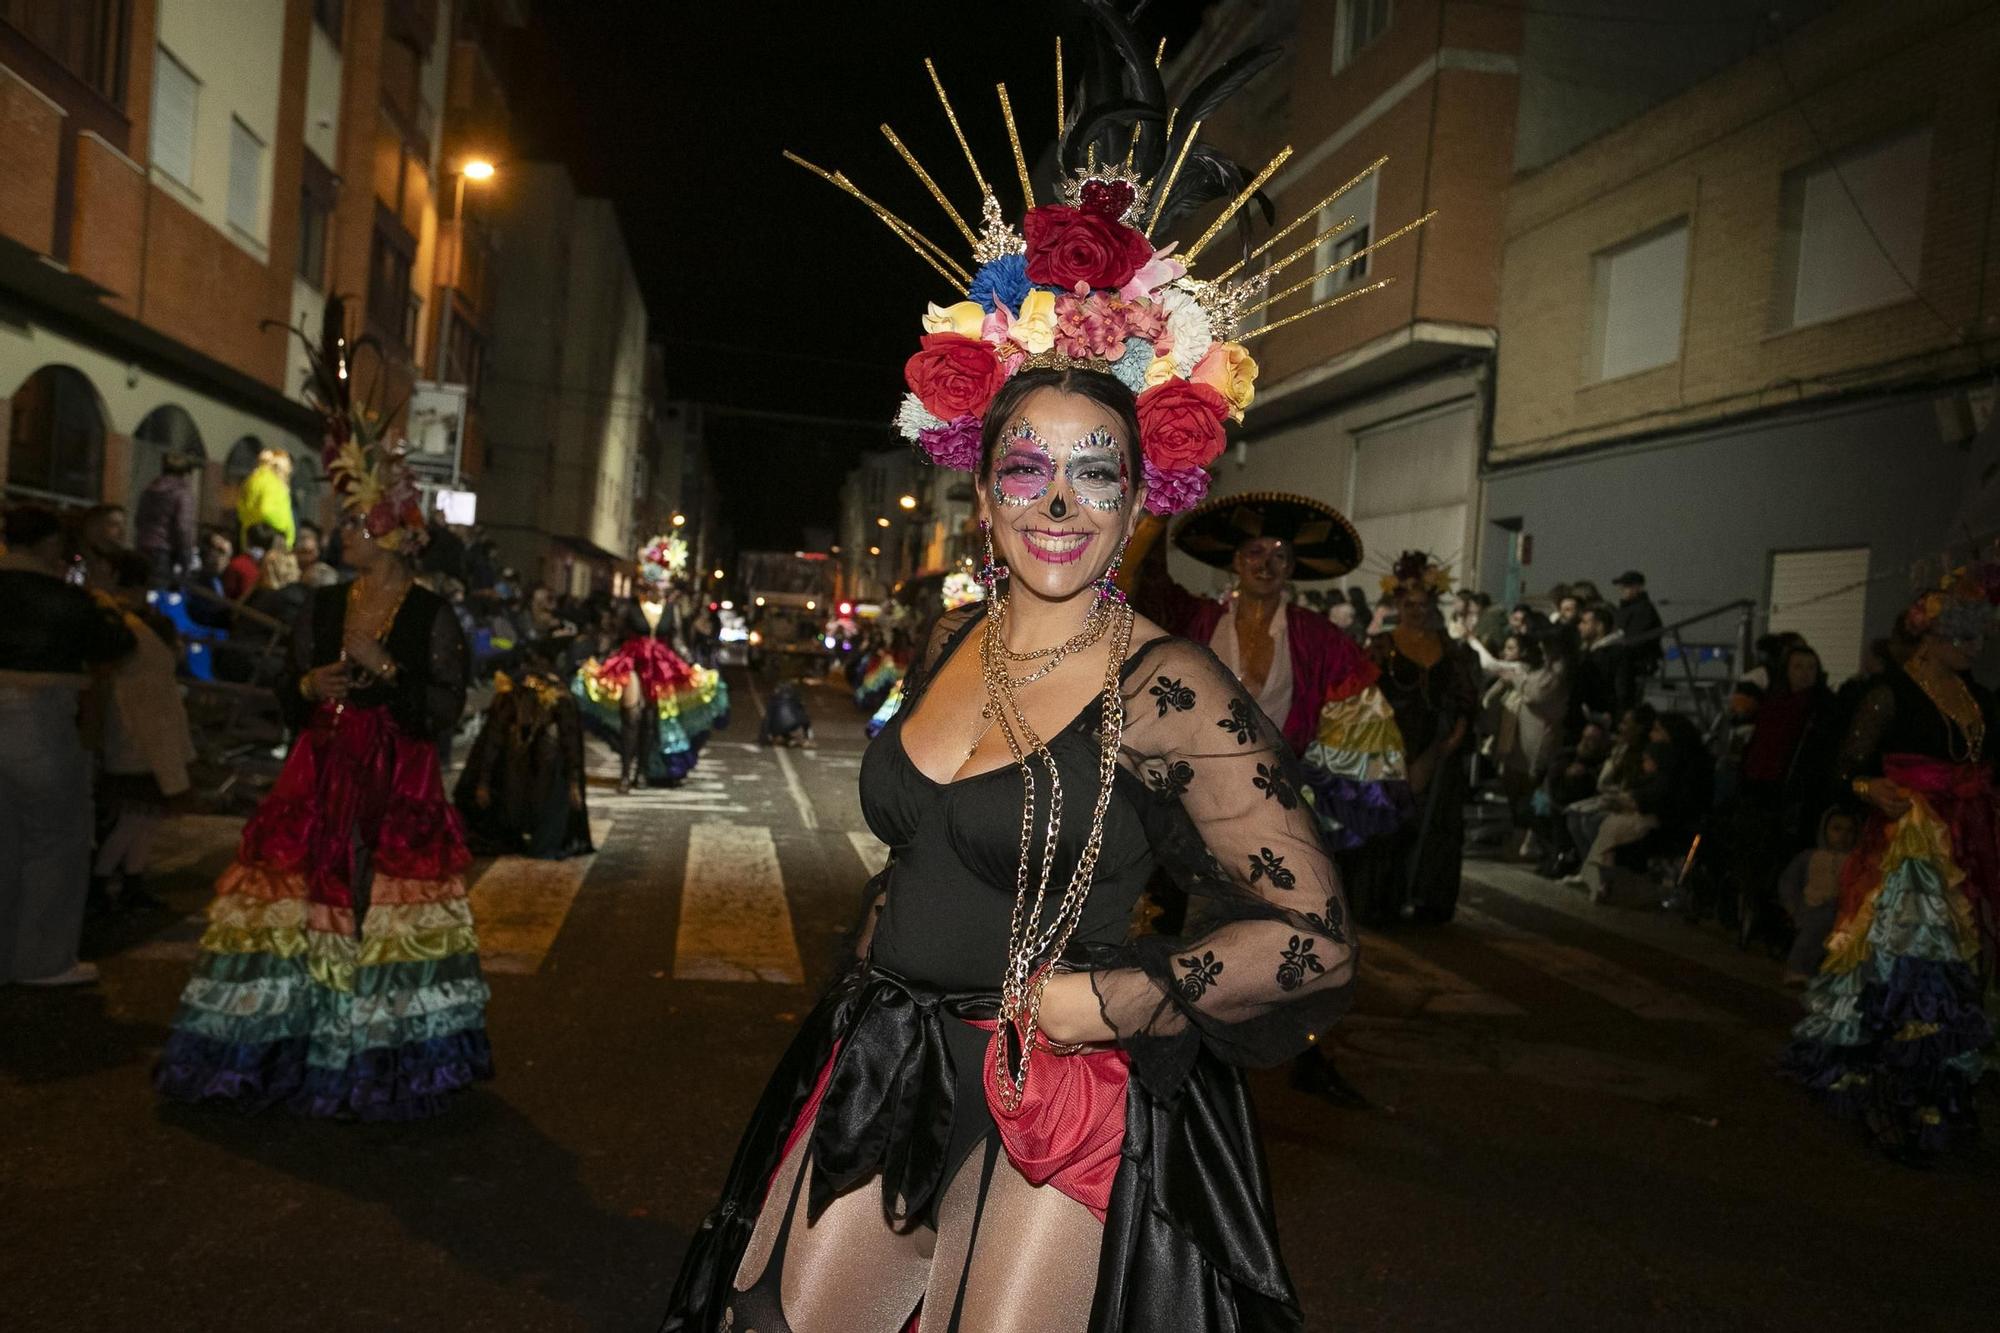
x: 1823, y: 595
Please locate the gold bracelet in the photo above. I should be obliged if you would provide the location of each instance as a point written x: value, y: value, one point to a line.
x: 1860, y: 787
x: 306, y: 690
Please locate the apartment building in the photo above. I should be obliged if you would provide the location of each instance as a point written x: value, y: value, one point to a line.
x: 1747, y: 338
x: 565, y: 385
x: 181, y: 182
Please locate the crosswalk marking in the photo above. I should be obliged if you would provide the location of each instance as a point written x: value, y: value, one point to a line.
x: 518, y: 905
x: 1435, y: 989
x: 1589, y: 972
x: 870, y: 849
x: 736, y: 923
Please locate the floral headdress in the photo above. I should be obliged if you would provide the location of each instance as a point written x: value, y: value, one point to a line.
x: 961, y: 589
x: 1415, y: 571
x: 369, y: 472
x: 1080, y: 284
x: 1961, y: 606
x: 663, y: 558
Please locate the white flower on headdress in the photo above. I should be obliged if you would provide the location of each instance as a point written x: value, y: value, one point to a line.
x: 1189, y: 332
x: 1035, y: 327
x: 913, y: 418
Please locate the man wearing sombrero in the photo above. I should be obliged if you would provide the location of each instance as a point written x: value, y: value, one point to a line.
x: 1306, y: 675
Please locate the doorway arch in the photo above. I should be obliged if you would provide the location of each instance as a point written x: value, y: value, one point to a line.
x: 56, y: 435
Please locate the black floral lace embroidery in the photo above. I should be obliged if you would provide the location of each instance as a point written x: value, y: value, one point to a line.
x: 1268, y: 863
x: 1173, y: 779
x: 1299, y: 960
x: 1332, y: 922
x: 1239, y: 723
x: 1271, y: 780
x: 1204, y: 970
x: 1172, y: 694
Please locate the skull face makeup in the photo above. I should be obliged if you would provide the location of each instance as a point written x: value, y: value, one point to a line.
x: 1094, y: 466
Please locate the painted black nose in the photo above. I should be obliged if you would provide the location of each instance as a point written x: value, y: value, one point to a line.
x: 1058, y: 508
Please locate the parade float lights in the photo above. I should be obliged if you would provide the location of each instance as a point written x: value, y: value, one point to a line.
x: 1080, y: 285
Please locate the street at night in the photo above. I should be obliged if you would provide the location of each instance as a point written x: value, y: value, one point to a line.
x: 1573, y: 1123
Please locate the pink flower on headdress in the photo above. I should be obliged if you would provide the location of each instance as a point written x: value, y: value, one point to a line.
x: 1154, y: 274
x: 954, y: 445
x: 1143, y: 319
x: 1093, y: 326
x: 1172, y: 490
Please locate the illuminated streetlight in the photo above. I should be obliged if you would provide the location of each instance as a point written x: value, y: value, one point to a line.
x: 728, y: 605
x: 874, y: 550
x: 812, y: 606
x: 881, y: 522
x: 908, y: 502
x: 760, y: 601
x: 478, y: 169
x: 718, y: 573
x: 680, y: 520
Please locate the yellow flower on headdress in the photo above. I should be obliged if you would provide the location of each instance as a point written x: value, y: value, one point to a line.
x: 1229, y: 370
x: 965, y: 318
x: 1035, y: 323
x: 1159, y: 370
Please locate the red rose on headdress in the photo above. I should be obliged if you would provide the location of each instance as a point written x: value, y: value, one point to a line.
x: 954, y: 376
x: 1180, y: 425
x: 1066, y: 247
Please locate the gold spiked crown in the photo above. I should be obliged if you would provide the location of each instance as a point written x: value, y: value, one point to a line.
x: 1079, y: 284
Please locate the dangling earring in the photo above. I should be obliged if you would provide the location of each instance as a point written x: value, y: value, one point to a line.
x: 991, y: 571
x: 1107, y: 582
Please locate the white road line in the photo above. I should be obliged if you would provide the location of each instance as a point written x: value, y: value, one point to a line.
x: 808, y: 817
x: 1435, y: 989
x: 1588, y: 972
x: 736, y: 924
x: 519, y: 905
x: 871, y: 851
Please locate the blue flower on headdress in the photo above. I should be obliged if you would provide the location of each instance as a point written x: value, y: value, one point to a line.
x: 1130, y: 369
x: 1004, y: 280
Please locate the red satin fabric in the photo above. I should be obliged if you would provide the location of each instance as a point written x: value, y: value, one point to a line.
x: 355, y: 780
x: 661, y: 670
x: 1964, y: 798
x: 1070, y: 1126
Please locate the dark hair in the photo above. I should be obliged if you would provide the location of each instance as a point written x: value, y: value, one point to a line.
x: 1098, y: 387
x: 1599, y: 612
x: 260, y: 535
x: 307, y: 525
x: 129, y: 569
x: 1531, y: 648
x: 31, y: 525
x: 1482, y: 600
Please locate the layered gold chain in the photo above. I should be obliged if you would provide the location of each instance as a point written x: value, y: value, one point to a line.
x: 1033, y: 947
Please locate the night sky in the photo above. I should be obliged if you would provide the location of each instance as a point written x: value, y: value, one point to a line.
x: 771, y: 289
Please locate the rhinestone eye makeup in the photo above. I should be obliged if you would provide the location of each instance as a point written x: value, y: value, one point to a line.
x: 1024, y: 471
x: 1097, y: 473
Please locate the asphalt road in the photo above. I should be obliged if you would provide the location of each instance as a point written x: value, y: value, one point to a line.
x: 1574, y: 1122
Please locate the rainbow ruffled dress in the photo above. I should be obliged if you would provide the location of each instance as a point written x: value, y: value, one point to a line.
x: 684, y: 702
x: 890, y: 707
x: 1895, y: 1033
x: 879, y: 673
x: 339, y: 975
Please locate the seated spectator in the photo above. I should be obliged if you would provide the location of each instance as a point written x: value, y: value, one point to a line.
x: 246, y: 569
x: 1809, y: 889
x: 145, y: 747
x: 100, y: 538
x: 1619, y: 774
x: 1628, y: 817
x: 315, y: 571
x: 279, y: 593
x: 1571, y: 778
x: 786, y: 721
x: 217, y: 551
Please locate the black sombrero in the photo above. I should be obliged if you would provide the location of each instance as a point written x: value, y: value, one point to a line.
x: 1324, y: 544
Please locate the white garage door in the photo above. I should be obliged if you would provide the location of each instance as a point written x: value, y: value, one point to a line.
x: 1823, y: 595
x: 1412, y: 481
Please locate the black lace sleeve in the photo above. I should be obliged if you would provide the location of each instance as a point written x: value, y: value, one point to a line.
x: 429, y: 695
x: 1268, y: 960
x: 1861, y: 748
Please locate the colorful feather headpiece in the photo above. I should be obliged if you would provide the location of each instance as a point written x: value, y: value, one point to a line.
x: 663, y: 559
x: 1961, y: 606
x: 368, y: 470
x: 1416, y: 571
x: 1080, y: 285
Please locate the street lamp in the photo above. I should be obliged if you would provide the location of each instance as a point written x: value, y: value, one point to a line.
x: 874, y: 550
x: 908, y: 502
x: 881, y: 522
x: 478, y: 169
x: 680, y: 520
x: 718, y: 573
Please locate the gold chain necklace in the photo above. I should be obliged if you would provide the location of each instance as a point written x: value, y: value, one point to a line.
x: 381, y: 634
x: 1032, y: 946
x: 1965, y: 723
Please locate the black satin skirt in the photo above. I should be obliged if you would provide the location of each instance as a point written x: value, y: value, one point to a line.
x: 1190, y: 1242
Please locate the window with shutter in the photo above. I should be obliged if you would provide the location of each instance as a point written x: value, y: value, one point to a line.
x: 1640, y: 288
x: 246, y: 180
x: 1852, y: 233
x: 1359, y: 204
x: 175, y: 91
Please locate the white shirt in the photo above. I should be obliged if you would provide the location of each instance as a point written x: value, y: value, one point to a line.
x: 1276, y: 696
